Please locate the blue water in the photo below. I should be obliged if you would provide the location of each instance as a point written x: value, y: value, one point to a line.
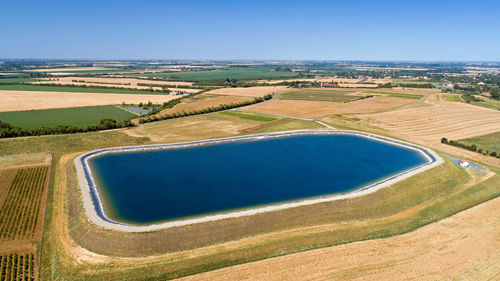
x: 152, y: 186
x: 140, y: 110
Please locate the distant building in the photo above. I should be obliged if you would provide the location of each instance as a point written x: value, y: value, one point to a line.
x: 463, y: 163
x: 328, y: 85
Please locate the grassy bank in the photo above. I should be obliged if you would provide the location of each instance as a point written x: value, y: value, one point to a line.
x: 424, y: 198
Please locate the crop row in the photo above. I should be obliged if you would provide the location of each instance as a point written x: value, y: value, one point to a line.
x: 20, y: 210
x: 6, y: 177
x: 17, y: 267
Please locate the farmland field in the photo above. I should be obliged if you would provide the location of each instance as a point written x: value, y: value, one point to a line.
x: 20, y: 212
x: 102, y: 90
x: 489, y: 142
x: 320, y: 95
x: 17, y: 267
x: 203, y: 101
x: 313, y: 109
x: 396, y: 95
x: 241, y: 73
x: 247, y: 92
x: 78, y: 116
x: 488, y: 103
x: 29, y: 100
x: 248, y: 116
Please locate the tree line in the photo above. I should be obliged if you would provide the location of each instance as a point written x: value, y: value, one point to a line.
x: 220, y: 107
x: 471, y: 147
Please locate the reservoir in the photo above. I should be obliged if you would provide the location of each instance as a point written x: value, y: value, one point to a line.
x: 151, y: 186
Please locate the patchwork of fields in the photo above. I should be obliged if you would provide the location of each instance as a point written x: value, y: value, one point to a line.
x: 241, y: 73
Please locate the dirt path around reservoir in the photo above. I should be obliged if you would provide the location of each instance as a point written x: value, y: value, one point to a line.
x: 465, y: 246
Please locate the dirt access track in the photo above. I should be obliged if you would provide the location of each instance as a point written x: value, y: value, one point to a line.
x: 464, y: 246
x: 28, y: 100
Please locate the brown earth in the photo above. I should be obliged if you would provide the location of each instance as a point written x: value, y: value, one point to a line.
x: 27, y: 100
x: 247, y: 92
x: 465, y: 246
x: 315, y: 109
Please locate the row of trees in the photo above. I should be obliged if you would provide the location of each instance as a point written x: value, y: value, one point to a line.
x: 220, y: 107
x: 471, y: 147
x: 9, y: 131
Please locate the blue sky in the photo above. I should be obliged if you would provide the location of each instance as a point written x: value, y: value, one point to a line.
x: 271, y: 29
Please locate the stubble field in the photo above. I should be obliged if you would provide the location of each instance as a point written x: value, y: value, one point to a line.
x: 28, y: 100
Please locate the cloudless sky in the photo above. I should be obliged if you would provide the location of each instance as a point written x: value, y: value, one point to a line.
x: 270, y: 29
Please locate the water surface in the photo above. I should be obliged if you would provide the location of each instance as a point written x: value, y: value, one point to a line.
x: 152, y: 186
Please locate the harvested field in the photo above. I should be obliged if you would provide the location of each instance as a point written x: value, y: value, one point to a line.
x: 315, y: 109
x: 202, y: 102
x: 247, y: 92
x: 28, y: 100
x: 117, y: 80
x: 321, y: 94
x: 126, y: 83
x: 212, y: 125
x: 426, y: 125
x: 440, y: 119
x: 464, y: 246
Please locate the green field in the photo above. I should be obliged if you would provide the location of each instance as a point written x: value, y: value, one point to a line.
x: 78, y: 116
x: 319, y: 95
x: 489, y: 142
x: 489, y: 103
x: 240, y: 73
x: 17, y: 80
x: 248, y: 116
x: 76, y: 89
x: 396, y: 95
x: 455, y: 98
